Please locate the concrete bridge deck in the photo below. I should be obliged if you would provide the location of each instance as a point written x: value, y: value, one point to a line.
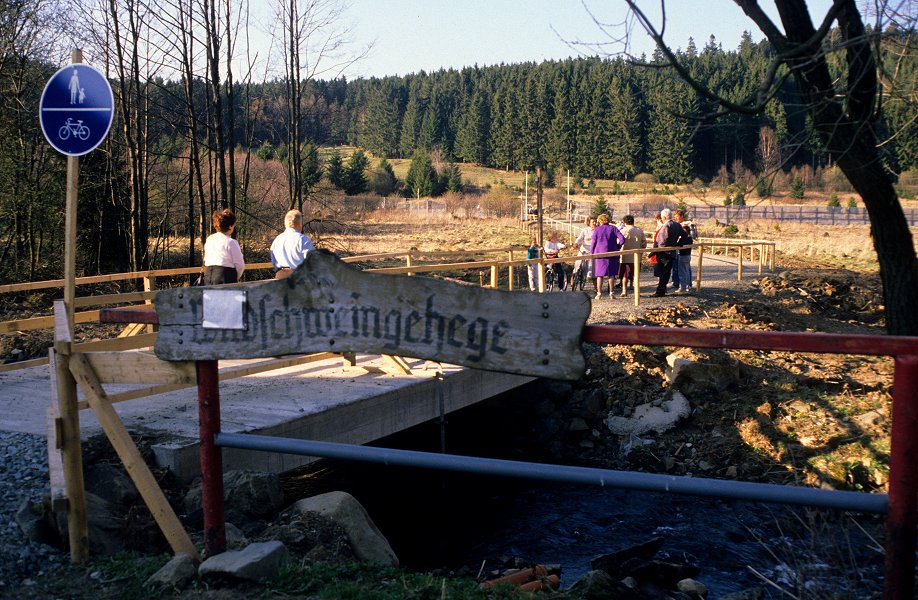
x: 327, y: 400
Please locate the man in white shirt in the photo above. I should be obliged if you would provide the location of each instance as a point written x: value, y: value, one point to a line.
x: 289, y: 248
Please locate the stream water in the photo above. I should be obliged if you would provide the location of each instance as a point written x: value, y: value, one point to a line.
x: 451, y: 520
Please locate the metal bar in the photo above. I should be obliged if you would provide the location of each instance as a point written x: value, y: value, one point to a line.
x: 129, y: 314
x: 211, y: 457
x: 648, y: 482
x: 902, y: 519
x: 825, y: 343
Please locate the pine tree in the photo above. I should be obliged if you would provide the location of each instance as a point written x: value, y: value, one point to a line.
x: 421, y: 179
x: 335, y: 170
x: 623, y: 125
x: 561, y: 145
x: 355, y: 179
x: 379, y: 130
x: 472, y: 134
x: 668, y: 134
x: 382, y: 179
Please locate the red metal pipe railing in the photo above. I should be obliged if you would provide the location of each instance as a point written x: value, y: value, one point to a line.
x: 902, y: 518
x: 211, y: 457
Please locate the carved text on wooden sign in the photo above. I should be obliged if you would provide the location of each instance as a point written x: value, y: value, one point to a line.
x: 327, y: 305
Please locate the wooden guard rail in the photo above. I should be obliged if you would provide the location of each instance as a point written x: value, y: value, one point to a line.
x: 763, y: 250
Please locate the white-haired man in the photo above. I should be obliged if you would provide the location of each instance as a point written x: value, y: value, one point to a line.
x: 289, y: 248
x: 670, y: 234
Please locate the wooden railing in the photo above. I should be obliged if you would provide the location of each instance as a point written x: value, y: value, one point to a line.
x: 762, y: 250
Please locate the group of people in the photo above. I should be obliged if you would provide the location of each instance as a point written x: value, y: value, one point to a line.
x: 600, y: 236
x: 673, y: 231
x: 223, y: 262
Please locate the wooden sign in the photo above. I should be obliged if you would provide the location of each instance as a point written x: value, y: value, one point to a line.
x: 328, y: 306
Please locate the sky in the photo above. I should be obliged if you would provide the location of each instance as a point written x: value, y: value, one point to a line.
x: 414, y: 35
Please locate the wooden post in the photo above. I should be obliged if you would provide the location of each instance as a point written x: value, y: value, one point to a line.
x: 739, y: 264
x: 541, y: 273
x: 638, y: 260
x: 77, y: 522
x: 510, y: 271
x: 408, y: 263
x: 149, y: 285
x: 130, y: 457
x: 761, y: 258
x: 73, y: 180
x: 698, y: 268
x: 494, y: 277
x: 539, y: 204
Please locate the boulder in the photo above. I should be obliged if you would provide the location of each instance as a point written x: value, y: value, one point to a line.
x: 252, y: 493
x: 611, y: 563
x: 697, y: 371
x: 177, y: 573
x: 254, y: 562
x: 365, y: 539
x: 648, y: 417
x: 658, y: 572
x: 310, y: 534
x: 692, y: 588
x: 31, y: 520
x: 110, y: 482
x: 599, y: 585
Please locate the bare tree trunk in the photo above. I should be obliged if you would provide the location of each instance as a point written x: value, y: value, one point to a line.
x: 133, y: 104
x: 848, y: 134
x: 216, y: 98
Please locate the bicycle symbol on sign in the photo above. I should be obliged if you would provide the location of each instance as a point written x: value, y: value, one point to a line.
x: 77, y: 129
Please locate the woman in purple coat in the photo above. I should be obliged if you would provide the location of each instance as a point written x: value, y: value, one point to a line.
x: 606, y: 238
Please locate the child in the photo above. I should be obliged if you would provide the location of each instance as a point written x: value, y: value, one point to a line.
x: 533, y: 268
x: 552, y: 248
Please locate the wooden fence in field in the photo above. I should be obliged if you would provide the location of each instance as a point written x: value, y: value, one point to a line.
x: 816, y: 215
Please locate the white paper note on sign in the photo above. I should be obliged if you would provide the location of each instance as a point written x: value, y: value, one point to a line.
x: 224, y: 309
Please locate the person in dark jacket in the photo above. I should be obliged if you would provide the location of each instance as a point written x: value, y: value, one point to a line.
x: 669, y: 235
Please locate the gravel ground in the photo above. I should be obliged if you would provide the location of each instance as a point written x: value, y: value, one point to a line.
x: 23, y: 478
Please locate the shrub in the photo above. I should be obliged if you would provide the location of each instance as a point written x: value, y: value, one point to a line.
x: 599, y: 207
x: 798, y: 188
x: 739, y: 199
x: 764, y: 187
x: 833, y: 201
x: 731, y: 230
x: 852, y: 202
x: 265, y: 151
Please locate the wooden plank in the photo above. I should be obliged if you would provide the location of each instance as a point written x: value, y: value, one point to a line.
x: 399, y: 363
x: 144, y: 340
x: 23, y: 364
x: 45, y: 322
x: 130, y: 456
x: 139, y: 367
x: 328, y: 306
x: 225, y: 375
x: 132, y: 330
x: 69, y: 437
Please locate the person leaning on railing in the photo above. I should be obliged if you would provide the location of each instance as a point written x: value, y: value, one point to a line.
x: 289, y: 248
x: 223, y: 262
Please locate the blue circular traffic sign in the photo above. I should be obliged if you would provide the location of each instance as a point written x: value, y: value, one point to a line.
x: 76, y: 109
